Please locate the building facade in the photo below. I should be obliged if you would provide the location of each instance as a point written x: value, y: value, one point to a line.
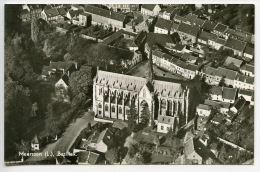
x: 114, y: 94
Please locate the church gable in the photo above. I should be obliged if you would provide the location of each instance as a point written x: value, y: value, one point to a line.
x: 145, y: 93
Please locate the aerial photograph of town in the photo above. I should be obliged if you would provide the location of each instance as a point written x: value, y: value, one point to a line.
x: 129, y: 84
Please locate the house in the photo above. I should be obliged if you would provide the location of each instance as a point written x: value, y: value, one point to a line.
x: 226, y: 74
x: 238, y: 105
x: 206, y: 38
x: 183, y: 49
x: 249, y: 52
x: 169, y: 12
x: 196, y: 152
x: 218, y: 43
x: 247, y: 94
x: 209, y: 73
x: 35, y: 145
x: 188, y: 33
x: 122, y: 7
x: 179, y: 19
x: 223, y: 94
x: 220, y: 30
x: 229, y: 95
x: 208, y: 26
x: 222, y: 107
x: 138, y: 23
x: 84, y: 19
x: 107, y: 18
x: 73, y: 14
x: 150, y: 9
x: 244, y: 82
x: 203, y: 110
x: 53, y: 14
x: 161, y: 40
x: 61, y: 88
x: 236, y: 45
x: 162, y: 26
x: 189, y: 58
x: 248, y: 70
x: 88, y: 157
x: 232, y: 63
x: 58, y: 68
x: 165, y: 123
x: 104, y: 141
x: 217, y: 118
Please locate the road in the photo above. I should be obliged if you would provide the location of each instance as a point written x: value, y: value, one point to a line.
x: 64, y: 143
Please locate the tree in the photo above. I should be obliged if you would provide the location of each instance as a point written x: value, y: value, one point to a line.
x: 132, y: 118
x: 134, y: 155
x: 112, y: 155
x: 80, y: 86
x: 34, y: 30
x: 144, y: 117
x: 175, y: 38
x: 222, y: 82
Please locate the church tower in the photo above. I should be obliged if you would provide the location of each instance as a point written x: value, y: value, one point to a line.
x: 149, y: 72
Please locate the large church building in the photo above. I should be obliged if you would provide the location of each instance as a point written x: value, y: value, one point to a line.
x: 113, y: 95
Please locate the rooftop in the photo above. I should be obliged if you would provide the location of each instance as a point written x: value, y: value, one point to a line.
x: 164, y: 24
x: 248, y: 67
x: 235, y: 44
x: 188, y: 29
x: 149, y: 6
x: 221, y: 27
x: 204, y: 107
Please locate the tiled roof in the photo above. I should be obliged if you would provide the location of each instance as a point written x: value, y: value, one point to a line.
x: 179, y: 47
x: 218, y: 117
x: 221, y: 41
x: 61, y: 65
x: 199, y: 22
x: 204, y: 107
x: 216, y: 90
x: 171, y: 9
x: 207, y: 36
x: 85, y: 14
x: 104, y: 13
x: 74, y: 13
x: 182, y: 19
x: 35, y: 140
x: 248, y: 67
x: 164, y: 24
x: 249, y: 50
x: 246, y: 92
x: 166, y: 119
x: 149, y: 7
x: 189, y: 57
x: 235, y: 44
x: 65, y: 78
x: 189, y: 147
x: 226, y: 73
x: 229, y: 93
x: 188, y: 29
x: 52, y: 12
x: 209, y: 25
x: 106, y: 137
x: 162, y: 39
x: 209, y: 70
x: 88, y: 156
x: 174, y: 27
x: 239, y: 103
x: 136, y: 83
x: 242, y: 78
x: 232, y: 63
x: 192, y: 67
x: 221, y: 27
x: 61, y: 11
x: 215, y: 103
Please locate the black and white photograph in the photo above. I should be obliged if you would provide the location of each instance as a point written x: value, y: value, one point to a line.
x: 129, y: 84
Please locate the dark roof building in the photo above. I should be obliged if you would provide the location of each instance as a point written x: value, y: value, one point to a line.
x: 221, y: 28
x: 229, y: 93
x: 88, y: 157
x: 188, y: 29
x: 164, y: 24
x: 156, y: 38
x: 232, y: 63
x: 205, y: 36
x: 208, y: 26
x: 235, y: 44
x: 149, y: 7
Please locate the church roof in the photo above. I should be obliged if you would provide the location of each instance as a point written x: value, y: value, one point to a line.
x: 133, y: 83
x: 35, y: 140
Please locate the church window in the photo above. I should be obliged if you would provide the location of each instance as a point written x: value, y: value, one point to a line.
x: 99, y: 105
x: 120, y: 110
x: 113, y: 109
x: 106, y: 108
x: 127, y: 111
x: 162, y: 128
x: 144, y: 93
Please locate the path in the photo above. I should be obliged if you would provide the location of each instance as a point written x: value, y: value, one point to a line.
x: 64, y: 143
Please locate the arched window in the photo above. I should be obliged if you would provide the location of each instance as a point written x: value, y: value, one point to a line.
x: 113, y: 109
x: 170, y: 107
x: 163, y: 104
x: 120, y: 110
x: 106, y: 108
x: 99, y: 105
